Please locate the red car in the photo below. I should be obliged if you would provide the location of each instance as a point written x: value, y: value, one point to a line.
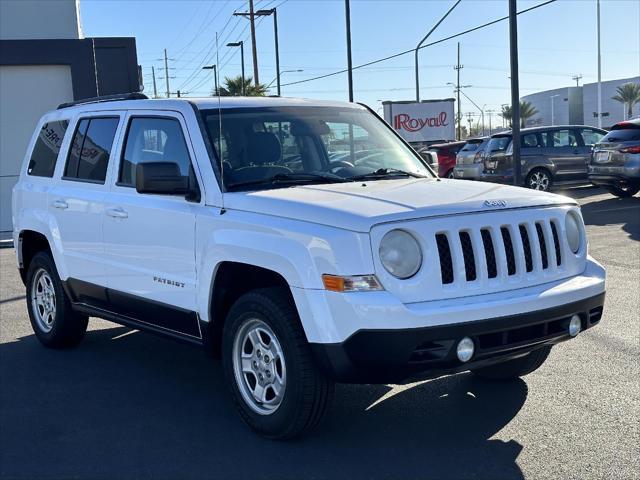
x: 446, y: 157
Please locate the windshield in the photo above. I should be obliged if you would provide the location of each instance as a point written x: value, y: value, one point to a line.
x: 274, y: 147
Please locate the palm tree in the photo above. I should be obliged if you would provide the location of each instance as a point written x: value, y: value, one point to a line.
x: 527, y: 110
x: 233, y: 88
x: 628, y: 95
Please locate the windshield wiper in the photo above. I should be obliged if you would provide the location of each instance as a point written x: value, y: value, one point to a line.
x: 290, y: 179
x: 385, y: 172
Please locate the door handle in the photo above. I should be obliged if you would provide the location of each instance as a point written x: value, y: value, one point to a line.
x: 60, y: 204
x: 117, y: 213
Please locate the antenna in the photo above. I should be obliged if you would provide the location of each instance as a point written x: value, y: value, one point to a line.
x: 222, y: 187
x: 95, y: 66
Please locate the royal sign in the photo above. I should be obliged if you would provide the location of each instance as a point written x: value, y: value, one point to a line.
x: 425, y: 121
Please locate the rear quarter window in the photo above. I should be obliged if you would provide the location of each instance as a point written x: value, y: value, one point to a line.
x: 46, y: 149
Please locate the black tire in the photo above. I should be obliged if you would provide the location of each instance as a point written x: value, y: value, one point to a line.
x: 512, y: 369
x: 450, y: 174
x: 539, y: 179
x: 307, y: 391
x: 625, y: 192
x: 67, y: 328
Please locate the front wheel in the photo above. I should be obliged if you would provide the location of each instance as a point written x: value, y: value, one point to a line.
x: 623, y: 192
x: 539, y: 179
x: 512, y: 369
x: 275, y: 385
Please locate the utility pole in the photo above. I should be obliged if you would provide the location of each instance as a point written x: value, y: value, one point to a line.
x: 253, y: 43
x: 599, y: 67
x: 458, y: 67
x: 417, y: 71
x: 347, y: 13
x: 577, y: 79
x: 490, y: 113
x: 155, y: 88
x: 470, y: 120
x: 166, y: 72
x: 515, y: 91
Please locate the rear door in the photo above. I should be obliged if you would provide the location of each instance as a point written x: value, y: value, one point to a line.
x: 77, y: 199
x: 150, y: 239
x: 563, y: 150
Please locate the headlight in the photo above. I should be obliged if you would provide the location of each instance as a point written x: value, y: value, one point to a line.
x: 573, y: 231
x: 400, y: 254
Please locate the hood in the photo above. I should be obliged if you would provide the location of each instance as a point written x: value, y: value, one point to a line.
x: 358, y: 206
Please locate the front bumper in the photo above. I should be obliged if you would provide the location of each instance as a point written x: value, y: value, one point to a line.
x: 395, y: 356
x: 370, y: 337
x: 468, y: 171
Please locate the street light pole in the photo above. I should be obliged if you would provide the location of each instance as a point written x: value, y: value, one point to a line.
x: 347, y: 13
x: 515, y: 91
x: 266, y: 13
x: 241, y: 45
x: 599, y: 67
x: 215, y: 77
x: 417, y: 72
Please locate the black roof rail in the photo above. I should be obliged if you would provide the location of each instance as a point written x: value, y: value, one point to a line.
x: 105, y: 98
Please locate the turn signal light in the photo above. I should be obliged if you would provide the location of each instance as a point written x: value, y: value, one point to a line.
x: 358, y: 283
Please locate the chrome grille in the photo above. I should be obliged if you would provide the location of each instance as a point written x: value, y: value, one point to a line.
x: 523, y: 248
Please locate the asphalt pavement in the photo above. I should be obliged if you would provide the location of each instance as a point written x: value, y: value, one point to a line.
x: 129, y: 405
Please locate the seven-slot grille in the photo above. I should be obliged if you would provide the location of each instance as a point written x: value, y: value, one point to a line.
x: 505, y: 251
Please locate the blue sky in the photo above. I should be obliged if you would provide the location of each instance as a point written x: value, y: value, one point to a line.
x: 556, y: 42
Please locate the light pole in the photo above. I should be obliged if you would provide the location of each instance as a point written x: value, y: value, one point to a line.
x: 599, y: 67
x: 241, y: 45
x: 278, y: 78
x: 424, y: 40
x: 481, y: 110
x: 215, y: 77
x: 515, y: 91
x: 347, y: 15
x: 457, y: 88
x: 553, y: 118
x: 274, y: 12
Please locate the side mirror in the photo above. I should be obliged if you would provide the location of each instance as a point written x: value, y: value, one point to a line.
x: 162, y: 178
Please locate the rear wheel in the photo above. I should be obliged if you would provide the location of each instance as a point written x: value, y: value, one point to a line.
x: 623, y: 192
x: 274, y: 382
x: 450, y: 174
x: 539, y: 179
x: 53, y: 321
x: 516, y: 368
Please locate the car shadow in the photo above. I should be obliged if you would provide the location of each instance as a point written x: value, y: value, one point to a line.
x: 130, y: 405
x: 614, y: 210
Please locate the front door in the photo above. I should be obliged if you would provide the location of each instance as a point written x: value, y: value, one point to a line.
x: 150, y: 239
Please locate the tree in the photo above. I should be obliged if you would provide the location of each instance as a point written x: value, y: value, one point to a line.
x: 628, y: 95
x: 233, y: 88
x: 527, y: 110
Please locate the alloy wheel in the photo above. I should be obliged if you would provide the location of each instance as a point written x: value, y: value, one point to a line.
x: 43, y: 300
x: 539, y: 181
x: 259, y: 366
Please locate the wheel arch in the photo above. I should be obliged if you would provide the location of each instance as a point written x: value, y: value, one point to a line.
x: 30, y: 242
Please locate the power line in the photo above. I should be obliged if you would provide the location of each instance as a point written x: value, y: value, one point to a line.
x: 399, y: 54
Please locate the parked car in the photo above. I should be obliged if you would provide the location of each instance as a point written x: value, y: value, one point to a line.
x: 189, y: 218
x: 470, y: 159
x: 430, y: 157
x: 549, y: 155
x: 446, y: 157
x: 615, y: 163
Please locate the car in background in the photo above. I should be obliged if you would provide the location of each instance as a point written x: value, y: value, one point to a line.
x: 430, y: 157
x: 469, y: 161
x: 446, y: 157
x: 549, y: 155
x: 615, y: 163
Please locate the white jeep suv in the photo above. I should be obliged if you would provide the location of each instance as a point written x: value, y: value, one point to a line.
x: 303, y: 242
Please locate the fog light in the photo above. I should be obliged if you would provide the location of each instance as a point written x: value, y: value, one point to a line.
x: 575, y: 325
x: 465, y: 349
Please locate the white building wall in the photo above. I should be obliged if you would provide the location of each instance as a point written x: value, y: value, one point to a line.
x: 38, y: 19
x: 615, y: 109
x: 24, y: 101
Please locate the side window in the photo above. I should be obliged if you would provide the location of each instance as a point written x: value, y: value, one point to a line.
x: 591, y: 137
x: 530, y: 140
x: 90, y: 149
x: 45, y: 152
x: 152, y: 139
x: 562, y: 138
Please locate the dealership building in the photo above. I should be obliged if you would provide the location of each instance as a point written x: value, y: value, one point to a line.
x: 579, y: 105
x: 45, y: 61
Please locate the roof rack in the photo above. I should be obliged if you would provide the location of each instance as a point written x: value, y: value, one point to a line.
x: 106, y: 98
